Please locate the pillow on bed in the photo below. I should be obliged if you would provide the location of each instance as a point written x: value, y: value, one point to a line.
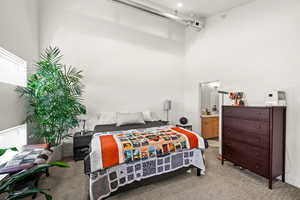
x: 155, y: 117
x: 107, y: 118
x: 147, y: 115
x: 130, y: 118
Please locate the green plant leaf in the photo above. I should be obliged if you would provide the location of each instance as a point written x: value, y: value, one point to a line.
x: 59, y: 164
x: 14, y: 149
x: 27, y: 192
x: 4, y: 184
x: 47, y: 196
x: 3, y: 151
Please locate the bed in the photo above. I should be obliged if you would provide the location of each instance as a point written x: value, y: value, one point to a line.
x: 121, y: 155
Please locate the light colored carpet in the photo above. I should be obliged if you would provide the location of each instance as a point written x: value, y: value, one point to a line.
x: 220, y: 183
x: 214, y: 143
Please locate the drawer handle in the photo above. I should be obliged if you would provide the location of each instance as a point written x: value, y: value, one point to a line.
x: 260, y: 126
x: 258, y: 140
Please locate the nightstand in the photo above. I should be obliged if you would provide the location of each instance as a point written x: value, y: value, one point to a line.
x: 81, y: 144
x: 188, y: 127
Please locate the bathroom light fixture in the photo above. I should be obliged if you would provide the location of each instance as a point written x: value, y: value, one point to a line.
x: 179, y: 5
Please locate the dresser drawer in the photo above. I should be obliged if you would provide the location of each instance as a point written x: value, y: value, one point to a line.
x: 253, y: 158
x: 233, y: 156
x: 259, y: 114
x: 259, y: 167
x: 254, y: 127
x: 245, y: 150
x: 259, y: 140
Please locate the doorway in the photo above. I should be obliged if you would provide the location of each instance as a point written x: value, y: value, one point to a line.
x: 210, y: 111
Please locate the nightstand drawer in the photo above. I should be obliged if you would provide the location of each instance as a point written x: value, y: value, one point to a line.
x: 81, y: 153
x: 81, y: 144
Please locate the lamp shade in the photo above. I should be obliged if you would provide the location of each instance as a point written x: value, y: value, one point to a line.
x: 167, y: 105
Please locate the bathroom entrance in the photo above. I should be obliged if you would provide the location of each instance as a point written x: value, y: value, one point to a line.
x: 210, y: 111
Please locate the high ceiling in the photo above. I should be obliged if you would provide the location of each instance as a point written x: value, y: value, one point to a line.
x: 201, y: 7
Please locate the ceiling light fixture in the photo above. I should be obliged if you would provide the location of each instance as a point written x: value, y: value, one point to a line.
x: 194, y: 22
x: 179, y: 5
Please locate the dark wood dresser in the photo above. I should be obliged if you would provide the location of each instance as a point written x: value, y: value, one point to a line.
x: 254, y: 138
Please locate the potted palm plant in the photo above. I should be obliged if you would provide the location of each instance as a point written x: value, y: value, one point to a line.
x: 53, y: 94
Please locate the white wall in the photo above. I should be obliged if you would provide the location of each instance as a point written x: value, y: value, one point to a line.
x: 132, y: 61
x: 19, y: 32
x: 252, y: 48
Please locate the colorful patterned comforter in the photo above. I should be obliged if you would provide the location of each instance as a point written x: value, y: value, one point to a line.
x: 119, y: 158
x: 115, y: 148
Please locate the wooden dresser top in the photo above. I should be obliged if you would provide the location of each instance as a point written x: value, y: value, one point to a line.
x: 254, y: 106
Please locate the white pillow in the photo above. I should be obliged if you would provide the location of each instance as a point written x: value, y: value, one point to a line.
x: 147, y: 116
x: 155, y: 117
x: 91, y: 123
x: 107, y: 118
x: 130, y: 118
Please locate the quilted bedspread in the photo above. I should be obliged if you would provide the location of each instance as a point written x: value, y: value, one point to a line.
x: 115, y: 148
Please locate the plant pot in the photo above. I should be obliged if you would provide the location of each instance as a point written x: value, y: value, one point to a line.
x: 67, y: 148
x: 57, y: 153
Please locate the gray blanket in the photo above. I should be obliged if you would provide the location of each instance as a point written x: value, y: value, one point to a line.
x: 113, y: 127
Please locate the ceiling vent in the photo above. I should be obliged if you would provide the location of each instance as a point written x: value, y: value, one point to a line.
x: 197, y: 24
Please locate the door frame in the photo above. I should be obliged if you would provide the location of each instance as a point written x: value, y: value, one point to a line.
x: 220, y: 110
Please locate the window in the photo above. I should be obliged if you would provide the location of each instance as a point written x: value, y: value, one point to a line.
x: 14, y: 137
x: 13, y: 72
